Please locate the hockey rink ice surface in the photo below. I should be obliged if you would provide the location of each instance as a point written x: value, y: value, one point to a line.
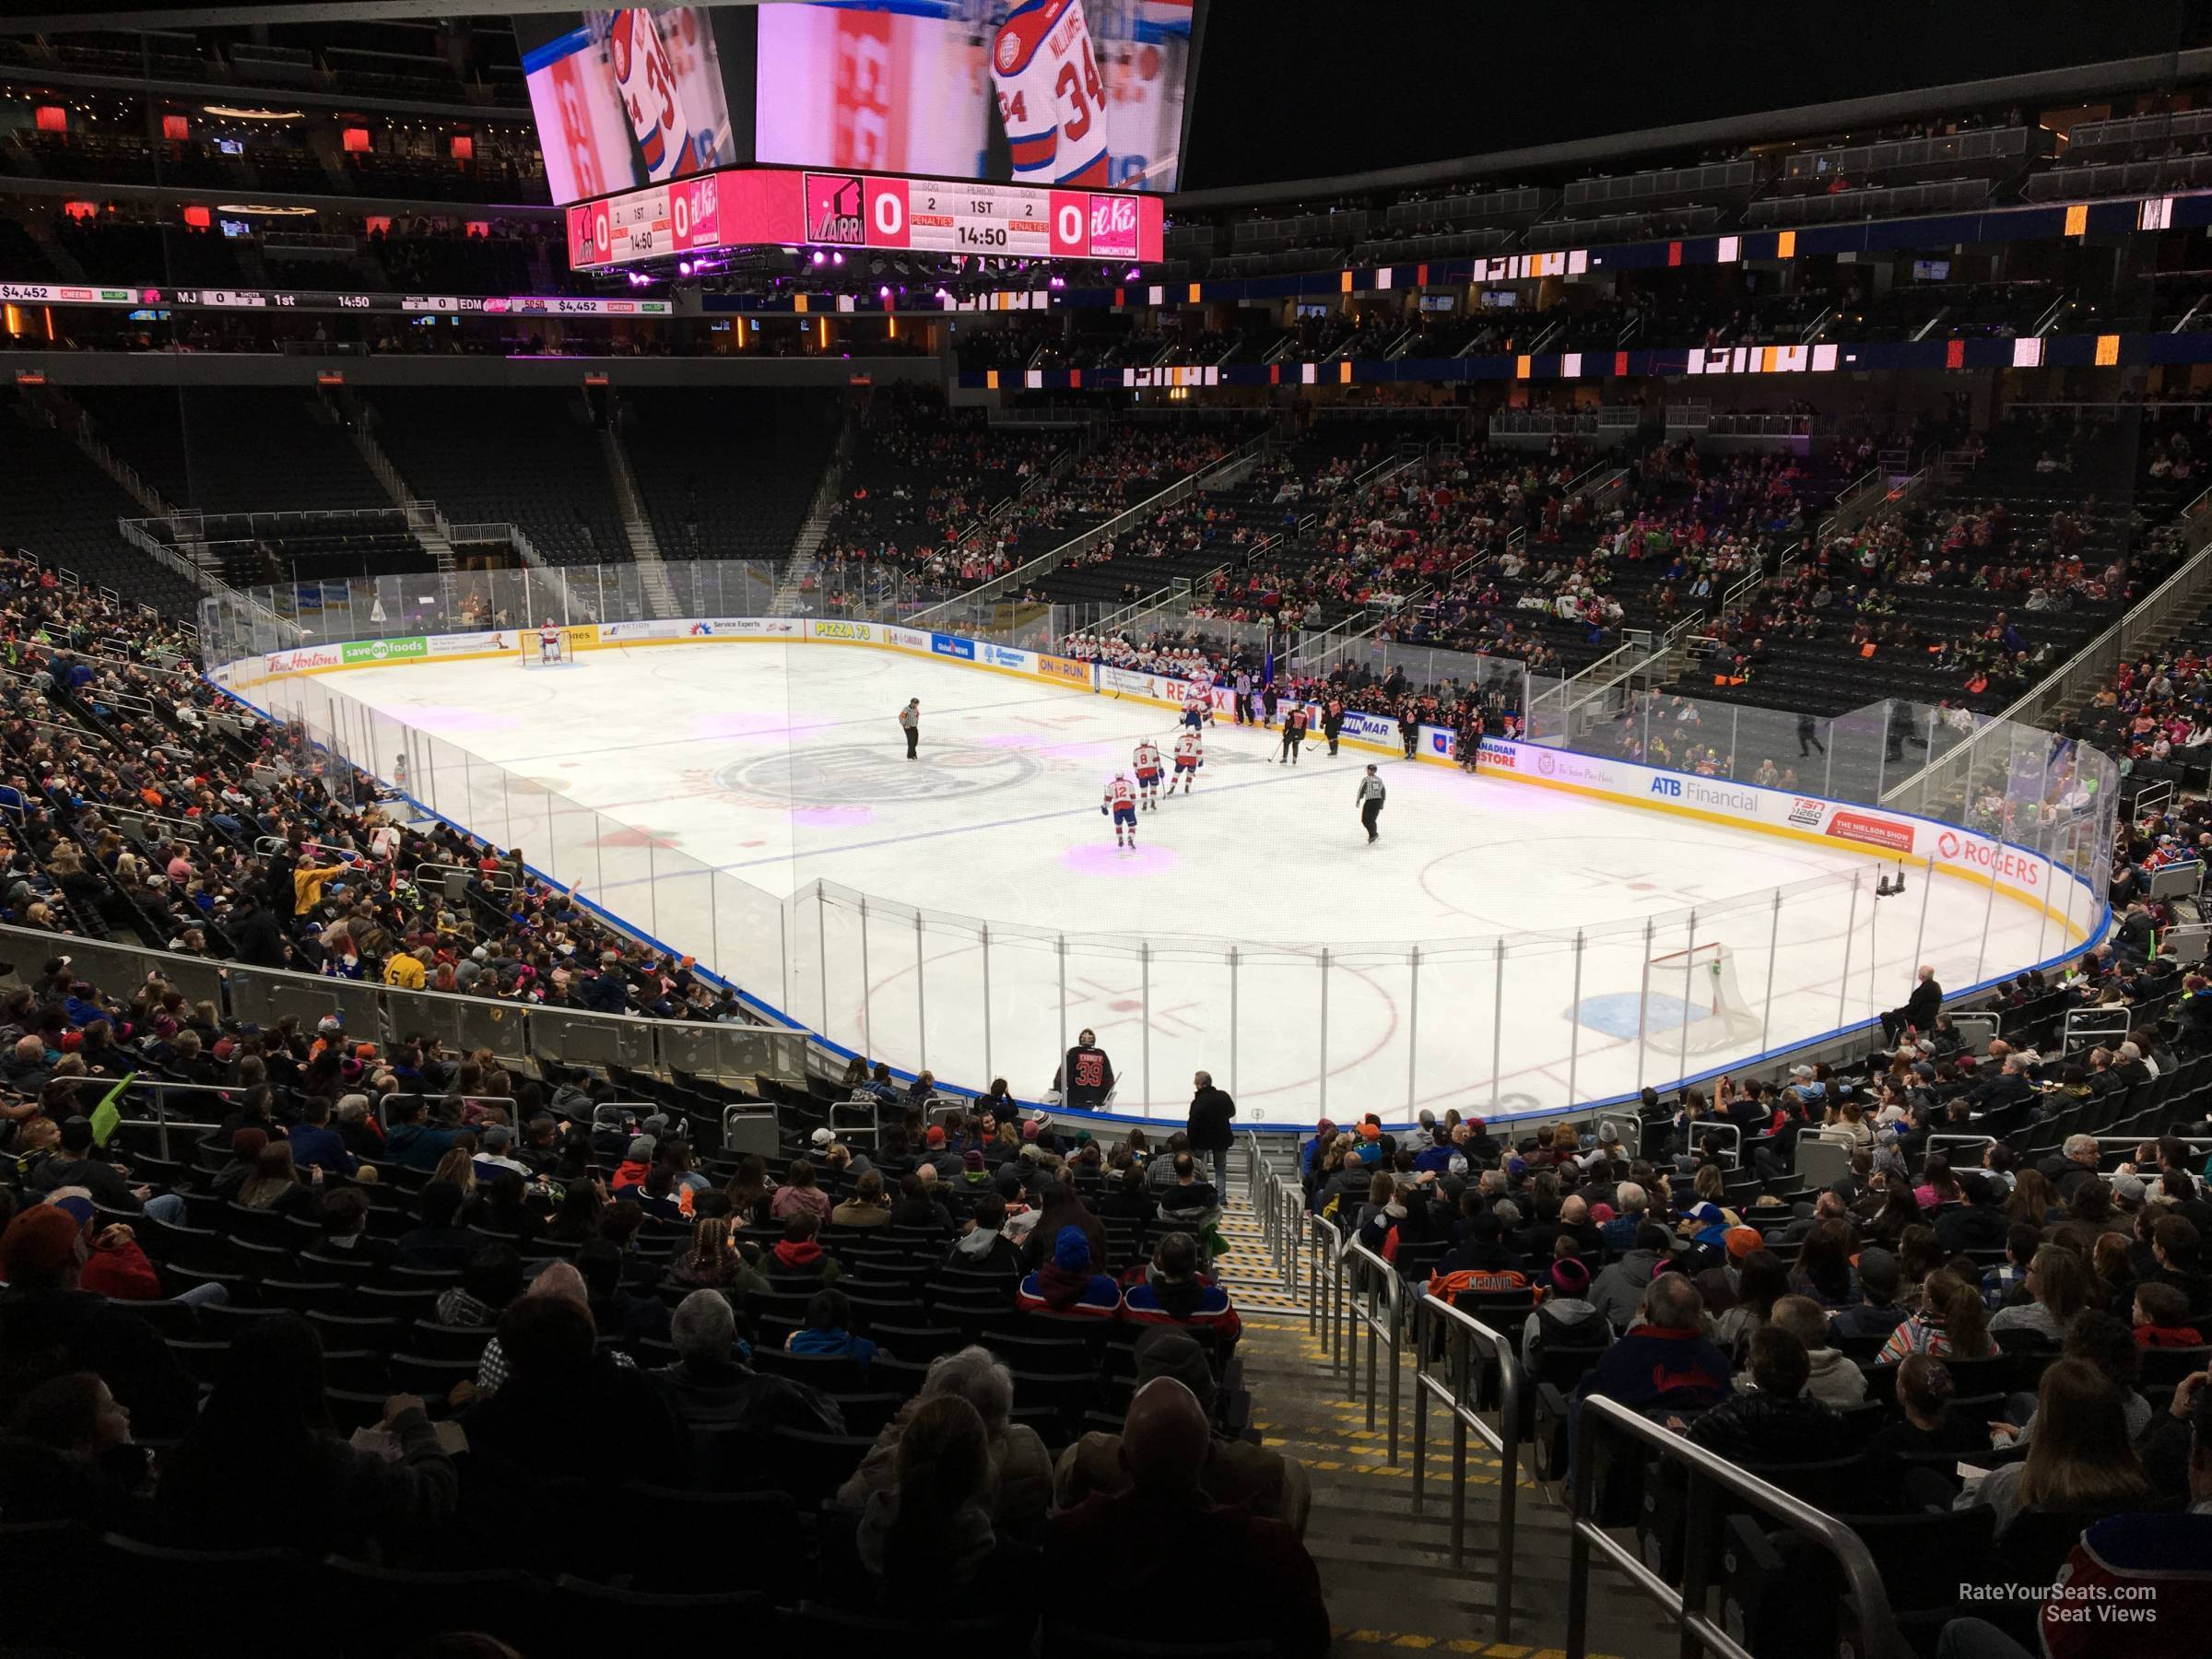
x: 781, y: 766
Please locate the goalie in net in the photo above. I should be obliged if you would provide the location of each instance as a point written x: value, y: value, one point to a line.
x: 549, y: 645
x: 1691, y: 1000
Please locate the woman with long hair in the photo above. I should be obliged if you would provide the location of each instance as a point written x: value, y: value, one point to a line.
x: 2080, y: 1459
x: 2034, y: 1200
x: 458, y: 1166
x: 748, y: 1192
x: 262, y: 1467
x: 1899, y: 1214
x: 1823, y: 1269
x: 1918, y: 1254
x: 1925, y: 1390
x: 1761, y: 1281
x: 1952, y: 1323
x: 2061, y: 1285
x: 275, y: 1183
x: 711, y: 1261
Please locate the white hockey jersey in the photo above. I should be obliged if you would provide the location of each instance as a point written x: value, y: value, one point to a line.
x: 1049, y: 94
x: 1190, y: 747
x: 646, y: 84
x: 1121, y: 793
x: 1147, y: 758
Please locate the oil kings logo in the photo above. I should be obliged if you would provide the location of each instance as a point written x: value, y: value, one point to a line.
x: 1009, y: 50
x: 833, y: 212
x: 1113, y: 227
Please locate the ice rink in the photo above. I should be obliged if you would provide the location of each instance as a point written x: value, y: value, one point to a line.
x: 781, y: 769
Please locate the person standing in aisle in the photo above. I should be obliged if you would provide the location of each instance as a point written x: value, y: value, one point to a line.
x: 1409, y: 727
x: 1209, y: 1128
x: 1332, y: 722
x: 1808, y: 737
x: 1294, y: 733
x: 1369, y: 799
x: 910, y: 722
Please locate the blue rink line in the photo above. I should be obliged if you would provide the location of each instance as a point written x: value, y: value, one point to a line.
x: 923, y: 835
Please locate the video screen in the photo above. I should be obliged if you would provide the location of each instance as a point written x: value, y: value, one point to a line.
x: 1067, y: 92
x: 623, y: 99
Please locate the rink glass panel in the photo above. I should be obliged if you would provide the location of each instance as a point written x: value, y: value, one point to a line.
x: 1492, y: 1025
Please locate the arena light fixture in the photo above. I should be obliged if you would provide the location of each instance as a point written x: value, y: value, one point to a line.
x: 238, y: 112
x: 271, y: 209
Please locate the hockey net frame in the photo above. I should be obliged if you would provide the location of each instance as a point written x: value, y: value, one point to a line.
x: 526, y: 647
x: 1703, y: 978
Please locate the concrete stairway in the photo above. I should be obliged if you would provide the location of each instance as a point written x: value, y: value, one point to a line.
x: 653, y: 575
x: 1385, y: 1566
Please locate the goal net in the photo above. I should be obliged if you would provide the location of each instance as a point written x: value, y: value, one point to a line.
x: 1691, y: 997
x: 532, y: 652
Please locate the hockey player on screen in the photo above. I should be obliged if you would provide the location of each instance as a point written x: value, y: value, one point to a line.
x: 1189, y: 755
x: 1050, y: 97
x: 1120, y: 803
x: 1147, y: 774
x: 549, y: 641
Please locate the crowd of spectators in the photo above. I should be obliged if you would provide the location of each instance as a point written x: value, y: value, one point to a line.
x: 2011, y: 1321
x: 144, y: 804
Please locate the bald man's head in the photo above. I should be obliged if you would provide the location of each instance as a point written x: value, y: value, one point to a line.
x: 1166, y: 1438
x: 1575, y: 1211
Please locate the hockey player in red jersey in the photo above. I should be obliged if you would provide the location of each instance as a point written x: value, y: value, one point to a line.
x: 1197, y: 709
x: 1147, y: 774
x: 1189, y: 755
x: 1120, y: 803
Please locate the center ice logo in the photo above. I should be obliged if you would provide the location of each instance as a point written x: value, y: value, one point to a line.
x: 858, y: 775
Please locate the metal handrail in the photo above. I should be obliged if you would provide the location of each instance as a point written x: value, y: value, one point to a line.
x: 1877, y: 1635
x: 1377, y: 1331
x: 1462, y: 1332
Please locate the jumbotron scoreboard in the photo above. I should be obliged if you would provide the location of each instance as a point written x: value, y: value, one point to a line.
x: 746, y: 206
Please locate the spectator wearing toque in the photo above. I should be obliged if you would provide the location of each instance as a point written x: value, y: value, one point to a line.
x: 262, y: 1467
x: 1018, y: 1487
x: 1237, y: 1474
x: 1566, y: 1319
x: 706, y: 1386
x: 1067, y: 1285
x: 1257, y: 1581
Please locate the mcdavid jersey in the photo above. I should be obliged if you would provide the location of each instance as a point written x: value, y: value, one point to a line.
x: 1121, y: 793
x: 1147, y: 758
x: 647, y: 87
x: 1188, y: 747
x: 1049, y: 94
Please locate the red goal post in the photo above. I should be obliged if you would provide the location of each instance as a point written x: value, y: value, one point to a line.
x: 1702, y: 980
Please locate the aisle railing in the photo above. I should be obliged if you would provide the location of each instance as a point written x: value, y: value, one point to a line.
x: 1351, y: 1291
